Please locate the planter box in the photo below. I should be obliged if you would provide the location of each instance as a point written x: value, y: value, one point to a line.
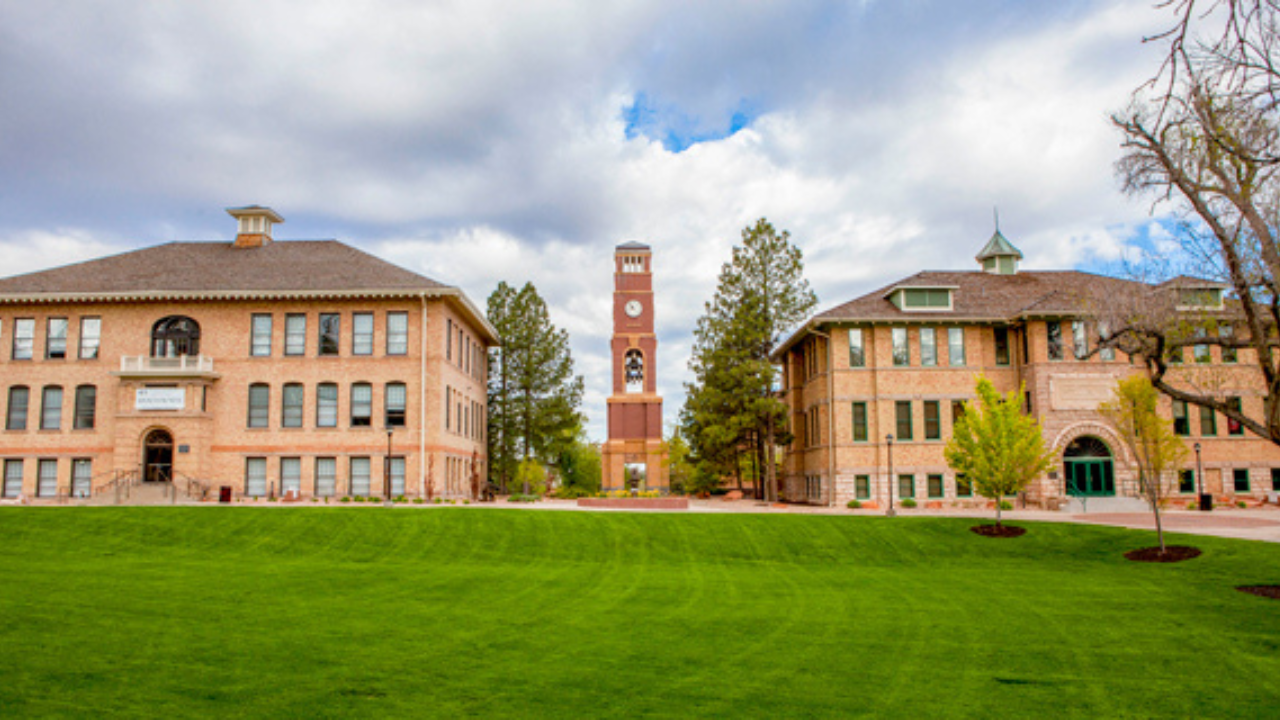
x: 669, y: 503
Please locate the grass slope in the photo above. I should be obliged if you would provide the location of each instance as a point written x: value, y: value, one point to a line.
x: 468, y: 612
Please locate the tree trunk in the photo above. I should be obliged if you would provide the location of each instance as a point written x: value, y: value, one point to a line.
x: 999, y: 501
x: 771, y: 478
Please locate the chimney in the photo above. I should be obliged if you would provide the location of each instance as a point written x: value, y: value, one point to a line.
x: 255, y: 225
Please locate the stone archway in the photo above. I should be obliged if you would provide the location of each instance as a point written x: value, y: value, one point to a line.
x: 1088, y: 468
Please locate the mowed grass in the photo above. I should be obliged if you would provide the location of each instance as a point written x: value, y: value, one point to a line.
x: 242, y: 612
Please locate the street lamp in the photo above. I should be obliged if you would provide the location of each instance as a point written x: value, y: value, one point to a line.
x: 889, y: 439
x: 1204, y: 506
x: 386, y: 467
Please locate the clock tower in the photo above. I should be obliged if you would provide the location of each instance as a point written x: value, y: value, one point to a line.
x: 633, y: 456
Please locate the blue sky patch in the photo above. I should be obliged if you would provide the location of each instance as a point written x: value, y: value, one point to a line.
x: 678, y: 130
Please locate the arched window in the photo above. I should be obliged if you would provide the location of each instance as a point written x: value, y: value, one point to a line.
x: 175, y: 336
x: 633, y: 371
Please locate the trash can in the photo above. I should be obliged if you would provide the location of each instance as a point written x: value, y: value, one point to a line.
x: 224, y: 494
x: 1206, y: 502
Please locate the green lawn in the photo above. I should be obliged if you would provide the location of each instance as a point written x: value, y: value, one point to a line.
x: 311, y: 612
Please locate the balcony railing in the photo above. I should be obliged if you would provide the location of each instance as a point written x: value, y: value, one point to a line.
x: 183, y: 365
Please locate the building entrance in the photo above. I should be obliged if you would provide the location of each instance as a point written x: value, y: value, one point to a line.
x: 157, y: 457
x: 1088, y: 468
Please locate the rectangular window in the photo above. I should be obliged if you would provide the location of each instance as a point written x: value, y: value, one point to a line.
x: 47, y: 478
x: 360, y: 476
x: 55, y: 347
x: 361, y: 405
x: 330, y: 333
x: 903, y: 410
x: 448, y: 405
x: 862, y: 487
x: 291, y: 475
x: 51, y: 408
x: 12, y: 478
x: 259, y: 406
x: 81, y: 477
x: 24, y: 338
x: 292, y: 399
x: 86, y: 407
x: 326, y: 476
x: 1181, y: 421
x: 1026, y: 401
x: 1200, y: 352
x: 935, y: 486
x: 1275, y: 479
x: 1240, y: 478
x: 859, y: 422
x: 327, y: 405
x: 1053, y: 331
x: 857, y: 353
x: 295, y: 335
x: 255, y: 477
x: 964, y: 488
x: 90, y: 337
x: 1173, y: 355
x: 1079, y: 340
x: 1233, y: 426
x: 932, y: 420
x: 955, y: 347
x: 957, y: 411
x: 1208, y: 421
x: 397, y: 333
x: 260, y: 336
x: 1002, y: 346
x: 928, y: 347
x: 397, y: 477
x: 1186, y: 481
x: 1229, y: 354
x: 448, y: 340
x: 19, y: 401
x: 362, y: 334
x: 906, y: 486
x: 901, y: 351
x: 396, y: 398
x: 1108, y: 354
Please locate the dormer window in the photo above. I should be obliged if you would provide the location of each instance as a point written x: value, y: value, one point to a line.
x: 918, y: 299
x: 1201, y: 298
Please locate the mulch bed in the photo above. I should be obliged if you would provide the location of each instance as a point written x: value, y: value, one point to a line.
x: 1172, y: 553
x: 998, y: 531
x: 1266, y: 591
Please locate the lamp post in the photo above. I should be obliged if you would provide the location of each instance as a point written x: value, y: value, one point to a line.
x: 1204, y: 506
x: 386, y: 468
x: 889, y: 440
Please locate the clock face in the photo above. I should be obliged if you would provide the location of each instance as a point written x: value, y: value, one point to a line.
x: 633, y: 308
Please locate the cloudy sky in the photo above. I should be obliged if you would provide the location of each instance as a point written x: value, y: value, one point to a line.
x: 477, y: 141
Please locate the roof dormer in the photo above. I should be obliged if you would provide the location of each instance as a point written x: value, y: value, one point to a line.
x: 255, y: 224
x: 999, y: 256
x: 921, y: 298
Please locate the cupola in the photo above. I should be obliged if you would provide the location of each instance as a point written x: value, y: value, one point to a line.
x: 255, y: 224
x: 999, y: 256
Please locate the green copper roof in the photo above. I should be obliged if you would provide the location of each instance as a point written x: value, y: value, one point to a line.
x: 998, y: 246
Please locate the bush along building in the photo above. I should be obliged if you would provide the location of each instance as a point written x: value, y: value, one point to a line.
x: 875, y: 385
x: 275, y: 368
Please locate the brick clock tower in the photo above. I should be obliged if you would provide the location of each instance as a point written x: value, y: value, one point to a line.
x: 633, y: 456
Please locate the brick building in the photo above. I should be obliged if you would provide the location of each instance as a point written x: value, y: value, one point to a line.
x: 302, y: 367
x: 901, y: 361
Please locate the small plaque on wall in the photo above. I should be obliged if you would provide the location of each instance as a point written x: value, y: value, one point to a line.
x: 160, y: 398
x: 184, y: 449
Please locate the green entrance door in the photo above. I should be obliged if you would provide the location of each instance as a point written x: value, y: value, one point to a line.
x: 1089, y: 471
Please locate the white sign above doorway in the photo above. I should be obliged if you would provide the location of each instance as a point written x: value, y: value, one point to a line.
x: 153, y: 398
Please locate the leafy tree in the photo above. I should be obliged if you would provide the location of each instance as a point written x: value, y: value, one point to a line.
x: 580, y: 468
x: 680, y: 469
x: 1158, y: 451
x: 532, y: 476
x: 997, y: 447
x: 533, y: 394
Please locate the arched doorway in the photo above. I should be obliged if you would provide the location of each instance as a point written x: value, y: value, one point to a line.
x: 157, y: 456
x: 1089, y: 469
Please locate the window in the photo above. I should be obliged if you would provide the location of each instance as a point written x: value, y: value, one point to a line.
x: 935, y: 486
x: 1104, y: 333
x: 1275, y: 479
x: 862, y: 487
x: 448, y: 340
x: 932, y: 420
x: 330, y: 333
x: 396, y: 397
x: 1053, y: 331
x: 291, y: 405
x: 360, y: 476
x: 901, y: 351
x: 964, y: 488
x: 51, y: 408
x: 81, y: 477
x: 928, y: 347
x: 906, y: 486
x: 1229, y: 354
x: 857, y: 353
x: 19, y: 401
x: 448, y: 404
x: 259, y: 405
x: 1200, y: 352
x: 957, y: 411
x: 1233, y: 426
x: 925, y: 298
x: 326, y: 476
x: 1173, y: 355
x: 859, y: 422
x: 175, y: 336
x: 12, y: 478
x: 955, y: 346
x: 326, y: 405
x: 903, y: 410
x: 1002, y: 346
x: 260, y: 336
x: 255, y: 477
x: 290, y: 475
x: 24, y: 338
x: 397, y: 476
x: 86, y: 407
x: 1240, y: 478
x: 295, y: 334
x: 1186, y: 481
x: 55, y: 346
x: 1181, y: 422
x: 90, y: 337
x: 361, y: 405
x: 1079, y: 340
x: 1026, y: 401
x: 362, y: 334
x: 397, y: 333
x: 1208, y: 421
x: 47, y: 478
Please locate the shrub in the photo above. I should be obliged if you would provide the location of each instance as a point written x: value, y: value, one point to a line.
x: 1192, y: 505
x: 908, y: 503
x: 1241, y: 504
x: 572, y: 492
x: 344, y: 499
x: 466, y: 501
x: 1006, y: 505
x: 437, y: 501
x: 854, y: 504
x: 517, y: 497
x: 417, y: 501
